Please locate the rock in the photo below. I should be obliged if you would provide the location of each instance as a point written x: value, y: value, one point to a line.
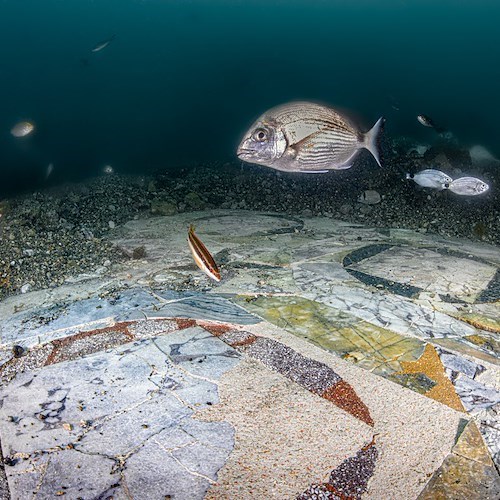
x: 448, y: 154
x: 163, y: 207
x: 482, y: 157
x: 307, y: 212
x: 365, y: 209
x: 139, y: 252
x: 346, y: 209
x: 370, y: 197
x: 25, y: 288
x: 111, y: 224
x: 194, y: 201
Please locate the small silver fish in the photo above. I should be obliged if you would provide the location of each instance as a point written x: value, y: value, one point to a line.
x: 50, y: 169
x: 431, y: 178
x: 22, y: 129
x: 102, y: 45
x: 306, y: 137
x: 468, y: 186
x: 426, y: 121
x: 108, y: 170
x: 202, y: 256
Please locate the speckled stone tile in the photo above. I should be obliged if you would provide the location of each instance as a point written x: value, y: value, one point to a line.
x: 349, y: 479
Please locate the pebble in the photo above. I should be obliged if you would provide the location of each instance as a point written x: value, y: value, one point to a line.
x: 370, y: 197
x: 111, y: 224
x: 25, y: 288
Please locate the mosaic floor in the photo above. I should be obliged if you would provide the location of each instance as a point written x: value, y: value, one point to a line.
x: 332, y: 361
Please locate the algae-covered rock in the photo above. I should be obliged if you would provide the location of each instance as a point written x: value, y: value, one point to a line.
x: 194, y: 201
x: 163, y: 207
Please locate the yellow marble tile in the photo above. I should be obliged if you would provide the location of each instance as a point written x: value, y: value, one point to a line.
x: 430, y: 364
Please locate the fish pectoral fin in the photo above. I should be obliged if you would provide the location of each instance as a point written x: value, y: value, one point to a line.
x: 306, y: 142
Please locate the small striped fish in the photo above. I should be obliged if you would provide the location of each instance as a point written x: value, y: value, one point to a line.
x: 202, y: 256
x: 306, y: 137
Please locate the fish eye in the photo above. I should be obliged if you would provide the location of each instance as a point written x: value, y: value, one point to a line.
x: 447, y: 185
x: 260, y: 135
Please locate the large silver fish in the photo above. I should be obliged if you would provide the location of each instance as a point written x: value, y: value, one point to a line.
x: 306, y: 137
x: 468, y: 186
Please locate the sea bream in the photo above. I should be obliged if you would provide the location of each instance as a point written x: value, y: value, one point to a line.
x: 468, y: 186
x: 431, y: 178
x: 306, y: 137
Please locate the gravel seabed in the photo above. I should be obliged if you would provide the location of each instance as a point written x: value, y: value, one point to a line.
x: 58, y: 233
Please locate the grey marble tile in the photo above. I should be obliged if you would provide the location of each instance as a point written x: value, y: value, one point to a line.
x: 380, y: 308
x: 44, y: 324
x: 489, y: 425
x: 86, y: 415
x: 202, y: 306
x: 474, y: 395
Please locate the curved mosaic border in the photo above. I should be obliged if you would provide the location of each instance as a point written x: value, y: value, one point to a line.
x: 490, y: 294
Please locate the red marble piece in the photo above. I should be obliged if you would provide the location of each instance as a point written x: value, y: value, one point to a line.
x: 216, y: 329
x: 89, y: 342
x: 345, y: 397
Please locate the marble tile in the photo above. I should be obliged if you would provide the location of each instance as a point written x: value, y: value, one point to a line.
x: 86, y: 413
x: 474, y: 395
x: 383, y: 309
x: 430, y: 365
x: 467, y: 472
x: 201, y: 306
x: 40, y: 325
x: 489, y: 426
x: 376, y: 349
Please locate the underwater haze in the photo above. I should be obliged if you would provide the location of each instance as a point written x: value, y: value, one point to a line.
x: 182, y: 80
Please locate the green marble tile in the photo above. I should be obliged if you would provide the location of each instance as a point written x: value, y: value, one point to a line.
x: 376, y: 349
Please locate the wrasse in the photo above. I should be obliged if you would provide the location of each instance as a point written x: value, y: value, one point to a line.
x: 202, y: 256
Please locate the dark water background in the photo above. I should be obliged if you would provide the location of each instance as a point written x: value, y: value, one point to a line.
x: 184, y: 79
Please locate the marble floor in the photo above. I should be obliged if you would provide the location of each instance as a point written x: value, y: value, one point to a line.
x: 331, y: 361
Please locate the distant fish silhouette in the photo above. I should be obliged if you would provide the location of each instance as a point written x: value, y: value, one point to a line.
x: 49, y: 170
x: 102, y: 45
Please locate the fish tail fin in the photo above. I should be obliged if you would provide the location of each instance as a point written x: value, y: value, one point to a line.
x: 191, y: 228
x: 371, y: 139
